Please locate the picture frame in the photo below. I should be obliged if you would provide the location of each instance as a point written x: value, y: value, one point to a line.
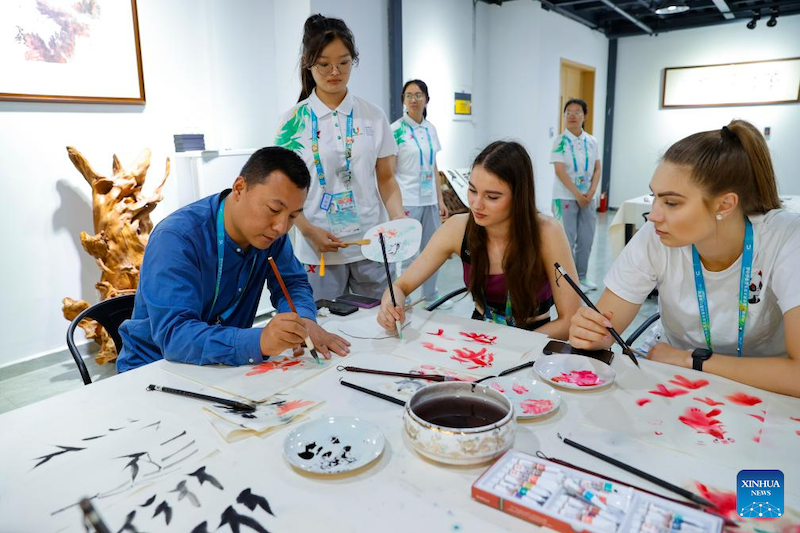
x: 773, y: 81
x: 71, y: 51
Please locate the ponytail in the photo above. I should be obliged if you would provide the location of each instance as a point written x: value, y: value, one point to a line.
x: 318, y: 32
x: 733, y: 159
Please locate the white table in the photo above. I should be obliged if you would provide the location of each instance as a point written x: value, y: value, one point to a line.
x: 398, y: 492
x: 631, y: 216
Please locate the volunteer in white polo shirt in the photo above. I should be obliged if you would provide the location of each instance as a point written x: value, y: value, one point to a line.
x: 724, y: 256
x: 416, y: 172
x: 352, y: 181
x: 576, y: 158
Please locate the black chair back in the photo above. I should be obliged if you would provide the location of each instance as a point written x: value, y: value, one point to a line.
x: 110, y: 314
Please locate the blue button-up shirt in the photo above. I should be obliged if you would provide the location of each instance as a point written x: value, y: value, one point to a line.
x: 172, y: 317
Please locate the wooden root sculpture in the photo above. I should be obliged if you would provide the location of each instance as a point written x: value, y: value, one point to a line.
x: 122, y: 226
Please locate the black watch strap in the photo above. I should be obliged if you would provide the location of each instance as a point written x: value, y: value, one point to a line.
x: 699, y: 356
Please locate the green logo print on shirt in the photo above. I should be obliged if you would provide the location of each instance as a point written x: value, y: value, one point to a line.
x: 560, y: 148
x: 400, y: 133
x: 289, y: 134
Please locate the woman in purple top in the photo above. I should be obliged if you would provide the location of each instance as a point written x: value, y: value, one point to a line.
x: 507, y: 248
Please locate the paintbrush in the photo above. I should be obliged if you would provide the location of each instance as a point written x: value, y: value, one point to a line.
x: 362, y: 242
x: 239, y: 406
x: 429, y: 377
x: 293, y: 308
x: 415, y: 302
x: 391, y: 288
x: 627, y: 350
x: 729, y: 523
x: 92, y: 517
x: 691, y: 496
x: 377, y: 394
x: 508, y: 371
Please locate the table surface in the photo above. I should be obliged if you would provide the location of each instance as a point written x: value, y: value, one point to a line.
x: 398, y: 491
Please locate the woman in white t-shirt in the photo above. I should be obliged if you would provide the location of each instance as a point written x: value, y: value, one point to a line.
x: 416, y: 172
x: 576, y: 158
x: 350, y: 160
x: 724, y: 257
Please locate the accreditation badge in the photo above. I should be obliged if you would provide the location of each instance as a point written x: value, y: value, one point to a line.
x: 325, y: 203
x: 426, y: 183
x: 343, y: 214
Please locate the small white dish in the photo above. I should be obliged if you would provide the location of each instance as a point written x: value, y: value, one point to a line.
x: 333, y: 445
x: 531, y: 397
x: 576, y: 372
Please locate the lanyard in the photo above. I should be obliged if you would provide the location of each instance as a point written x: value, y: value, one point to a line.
x: 348, y: 146
x: 744, y: 287
x: 220, y: 256
x: 585, y: 151
x: 490, y: 316
x: 430, y: 146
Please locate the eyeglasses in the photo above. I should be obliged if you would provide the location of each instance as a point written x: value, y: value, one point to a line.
x: 414, y: 96
x: 573, y: 113
x: 326, y: 69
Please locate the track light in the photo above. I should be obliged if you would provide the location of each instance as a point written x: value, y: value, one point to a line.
x: 752, y: 24
x: 773, y: 20
x: 671, y: 7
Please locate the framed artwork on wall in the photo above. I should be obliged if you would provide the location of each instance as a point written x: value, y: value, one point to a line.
x: 74, y: 51
x: 748, y: 83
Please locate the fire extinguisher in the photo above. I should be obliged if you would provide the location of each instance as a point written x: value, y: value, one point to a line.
x: 603, y: 207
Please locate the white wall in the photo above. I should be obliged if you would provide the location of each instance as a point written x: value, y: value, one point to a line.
x: 200, y: 73
x: 444, y: 57
x: 526, y: 45
x: 643, y: 131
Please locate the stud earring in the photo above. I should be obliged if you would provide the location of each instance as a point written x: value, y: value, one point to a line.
x: 719, y: 216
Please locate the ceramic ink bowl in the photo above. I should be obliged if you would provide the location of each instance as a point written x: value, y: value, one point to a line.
x: 460, y: 423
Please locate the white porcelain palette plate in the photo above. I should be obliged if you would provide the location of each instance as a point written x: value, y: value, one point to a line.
x: 531, y: 397
x: 333, y: 445
x: 575, y: 372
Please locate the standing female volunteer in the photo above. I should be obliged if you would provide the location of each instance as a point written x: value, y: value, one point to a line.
x: 576, y: 158
x: 417, y: 174
x: 349, y: 149
x: 724, y: 257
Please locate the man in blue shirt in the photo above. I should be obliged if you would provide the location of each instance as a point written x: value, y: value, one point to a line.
x: 204, y: 269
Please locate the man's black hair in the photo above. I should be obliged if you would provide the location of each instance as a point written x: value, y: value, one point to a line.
x: 267, y: 160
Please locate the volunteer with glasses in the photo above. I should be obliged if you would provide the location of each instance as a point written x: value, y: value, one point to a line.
x: 349, y: 149
x: 576, y: 158
x: 416, y: 172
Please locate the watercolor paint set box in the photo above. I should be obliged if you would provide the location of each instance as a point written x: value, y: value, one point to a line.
x: 566, y: 500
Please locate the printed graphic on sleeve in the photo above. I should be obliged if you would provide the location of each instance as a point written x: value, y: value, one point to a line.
x: 289, y: 134
x: 759, y: 493
x: 401, y: 133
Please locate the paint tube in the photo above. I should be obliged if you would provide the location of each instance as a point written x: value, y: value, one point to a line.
x: 575, y: 489
x: 537, y: 490
x: 599, y: 522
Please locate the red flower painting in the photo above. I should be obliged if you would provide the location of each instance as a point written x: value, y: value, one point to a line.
x: 481, y: 338
x: 683, y: 382
x: 661, y: 390
x: 536, y: 407
x: 725, y: 501
x: 708, y: 401
x: 744, y: 399
x: 642, y: 401
x: 291, y: 406
x: 283, y: 364
x: 432, y: 347
x: 480, y: 359
x: 703, y: 422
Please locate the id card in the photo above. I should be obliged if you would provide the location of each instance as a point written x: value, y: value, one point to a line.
x: 426, y: 183
x: 343, y: 215
x: 582, y: 184
x: 325, y: 203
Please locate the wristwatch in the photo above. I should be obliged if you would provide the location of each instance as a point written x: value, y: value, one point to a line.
x: 700, y: 355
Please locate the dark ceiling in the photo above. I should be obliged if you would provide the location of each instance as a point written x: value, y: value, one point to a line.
x: 615, y: 18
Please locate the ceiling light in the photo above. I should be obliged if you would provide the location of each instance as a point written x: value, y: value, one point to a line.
x: 756, y: 17
x: 671, y: 7
x: 773, y: 19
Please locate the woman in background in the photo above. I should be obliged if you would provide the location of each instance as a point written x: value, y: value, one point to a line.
x: 348, y: 147
x: 507, y: 249
x: 416, y: 171
x: 576, y: 158
x: 724, y: 257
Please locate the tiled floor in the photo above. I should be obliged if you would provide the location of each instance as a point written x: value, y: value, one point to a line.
x: 35, y: 385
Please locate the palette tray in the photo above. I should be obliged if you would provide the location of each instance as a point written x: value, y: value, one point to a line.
x: 567, y: 500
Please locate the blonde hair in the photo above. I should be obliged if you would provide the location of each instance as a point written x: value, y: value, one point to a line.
x: 732, y: 159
